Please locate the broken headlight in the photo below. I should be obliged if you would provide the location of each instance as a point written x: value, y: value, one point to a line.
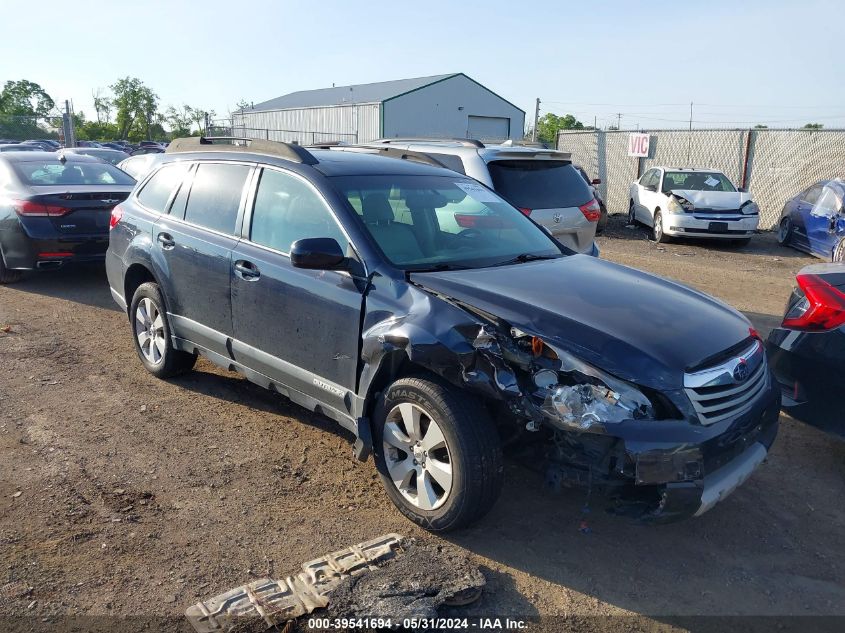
x: 750, y: 208
x: 677, y: 204
x: 586, y: 398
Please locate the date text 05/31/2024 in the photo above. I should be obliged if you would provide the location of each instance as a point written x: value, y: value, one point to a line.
x: 412, y: 624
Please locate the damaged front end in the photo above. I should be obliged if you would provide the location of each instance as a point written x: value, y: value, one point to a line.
x: 643, y: 449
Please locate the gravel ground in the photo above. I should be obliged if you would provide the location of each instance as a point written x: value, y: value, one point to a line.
x: 124, y: 495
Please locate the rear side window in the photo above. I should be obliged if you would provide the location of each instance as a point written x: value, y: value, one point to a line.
x: 450, y: 161
x: 216, y: 196
x: 539, y: 184
x: 160, y: 186
x: 286, y: 210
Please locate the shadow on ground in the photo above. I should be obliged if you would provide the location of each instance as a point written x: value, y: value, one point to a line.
x: 81, y: 283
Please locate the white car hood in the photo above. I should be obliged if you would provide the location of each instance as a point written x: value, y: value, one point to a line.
x: 713, y: 199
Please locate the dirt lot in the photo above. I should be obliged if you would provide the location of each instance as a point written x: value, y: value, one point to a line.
x: 122, y: 494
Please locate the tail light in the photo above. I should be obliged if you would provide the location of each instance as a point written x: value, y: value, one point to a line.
x: 28, y: 208
x: 116, y: 215
x: 591, y: 210
x: 525, y: 211
x: 821, y: 308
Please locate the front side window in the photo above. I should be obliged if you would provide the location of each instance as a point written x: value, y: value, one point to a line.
x: 440, y: 222
x: 160, y: 186
x: 215, y: 196
x: 812, y: 194
x: 696, y: 181
x: 650, y: 178
x: 287, y: 209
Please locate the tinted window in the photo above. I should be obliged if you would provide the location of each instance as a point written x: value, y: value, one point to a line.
x: 287, y: 209
x: 177, y: 208
x: 539, y: 184
x: 156, y: 192
x: 54, y: 172
x: 450, y: 161
x: 216, y: 195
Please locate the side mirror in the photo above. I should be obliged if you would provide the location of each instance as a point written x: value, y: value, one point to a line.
x: 650, y: 187
x: 595, y: 181
x: 318, y: 253
x: 742, y: 189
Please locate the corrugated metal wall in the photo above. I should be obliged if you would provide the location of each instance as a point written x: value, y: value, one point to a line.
x: 353, y: 123
x: 780, y: 163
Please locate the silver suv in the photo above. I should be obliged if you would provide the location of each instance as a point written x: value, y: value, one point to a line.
x: 542, y: 183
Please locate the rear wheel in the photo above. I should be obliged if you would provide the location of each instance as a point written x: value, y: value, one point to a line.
x: 657, y: 229
x: 8, y: 276
x: 602, y: 223
x: 632, y: 215
x: 437, y: 452
x: 148, y: 318
x: 784, y: 231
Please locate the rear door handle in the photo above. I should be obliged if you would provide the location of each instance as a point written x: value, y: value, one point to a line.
x: 166, y: 241
x: 247, y: 270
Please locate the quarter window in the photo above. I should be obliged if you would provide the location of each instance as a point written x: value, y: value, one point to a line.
x: 286, y: 210
x: 215, y: 196
x: 160, y: 186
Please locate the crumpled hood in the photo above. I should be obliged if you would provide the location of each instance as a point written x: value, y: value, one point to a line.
x: 714, y: 199
x: 636, y: 326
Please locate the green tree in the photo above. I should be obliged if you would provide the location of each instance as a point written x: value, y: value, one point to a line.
x: 179, y: 120
x: 813, y: 126
x: 761, y: 127
x: 25, y: 98
x: 136, y: 108
x: 550, y: 124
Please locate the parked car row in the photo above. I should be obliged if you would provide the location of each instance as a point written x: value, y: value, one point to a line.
x: 443, y: 282
x: 49, y: 145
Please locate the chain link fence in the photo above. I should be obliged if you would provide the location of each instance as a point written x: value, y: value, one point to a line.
x: 303, y: 137
x: 773, y: 165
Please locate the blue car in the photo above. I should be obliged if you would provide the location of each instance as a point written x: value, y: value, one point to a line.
x: 814, y: 221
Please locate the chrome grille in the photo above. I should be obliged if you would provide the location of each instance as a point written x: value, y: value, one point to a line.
x: 718, y: 392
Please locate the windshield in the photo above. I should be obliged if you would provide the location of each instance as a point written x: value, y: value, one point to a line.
x: 440, y: 222
x: 539, y: 184
x: 54, y: 172
x: 697, y: 181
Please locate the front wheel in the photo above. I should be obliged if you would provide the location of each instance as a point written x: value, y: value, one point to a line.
x: 437, y: 452
x: 657, y: 229
x: 838, y: 254
x: 632, y: 213
x: 151, y: 330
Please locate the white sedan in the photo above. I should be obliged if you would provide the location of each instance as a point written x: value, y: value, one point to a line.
x: 681, y: 202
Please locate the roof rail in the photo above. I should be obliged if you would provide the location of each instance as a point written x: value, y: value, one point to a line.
x: 408, y: 154
x: 288, y: 151
x: 466, y: 142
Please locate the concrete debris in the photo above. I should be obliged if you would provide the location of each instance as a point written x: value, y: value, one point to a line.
x: 277, y: 601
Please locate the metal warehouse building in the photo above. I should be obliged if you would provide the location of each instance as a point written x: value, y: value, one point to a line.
x: 451, y: 105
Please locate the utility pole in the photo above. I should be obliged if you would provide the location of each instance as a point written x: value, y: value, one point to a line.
x: 618, y: 120
x: 536, y: 120
x: 67, y: 126
x: 689, y: 139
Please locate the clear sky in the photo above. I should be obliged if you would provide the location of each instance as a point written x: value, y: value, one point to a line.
x: 740, y: 62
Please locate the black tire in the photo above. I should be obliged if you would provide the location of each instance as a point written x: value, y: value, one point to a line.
x: 838, y: 254
x: 8, y: 276
x: 602, y: 223
x: 784, y: 231
x: 474, y: 451
x: 632, y: 219
x: 657, y: 233
x: 171, y: 362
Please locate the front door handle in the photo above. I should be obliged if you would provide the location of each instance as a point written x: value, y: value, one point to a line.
x: 247, y: 270
x: 166, y: 241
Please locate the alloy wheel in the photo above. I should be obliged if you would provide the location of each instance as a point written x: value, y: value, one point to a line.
x: 417, y: 457
x: 658, y: 227
x: 149, y: 330
x: 783, y: 230
x: 632, y: 217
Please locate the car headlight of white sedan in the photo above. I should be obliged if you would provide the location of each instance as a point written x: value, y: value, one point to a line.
x: 750, y: 208
x: 678, y: 204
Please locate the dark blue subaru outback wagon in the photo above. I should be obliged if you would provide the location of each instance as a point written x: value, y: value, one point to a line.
x: 436, y: 322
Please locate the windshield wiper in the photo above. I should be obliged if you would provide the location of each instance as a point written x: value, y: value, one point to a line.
x: 438, y: 267
x: 525, y: 257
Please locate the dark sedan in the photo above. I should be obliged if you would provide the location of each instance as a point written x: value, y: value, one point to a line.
x: 112, y: 156
x: 19, y: 147
x: 55, y: 208
x: 808, y: 350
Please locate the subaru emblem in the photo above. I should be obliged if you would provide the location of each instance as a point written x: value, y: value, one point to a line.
x: 741, y: 371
